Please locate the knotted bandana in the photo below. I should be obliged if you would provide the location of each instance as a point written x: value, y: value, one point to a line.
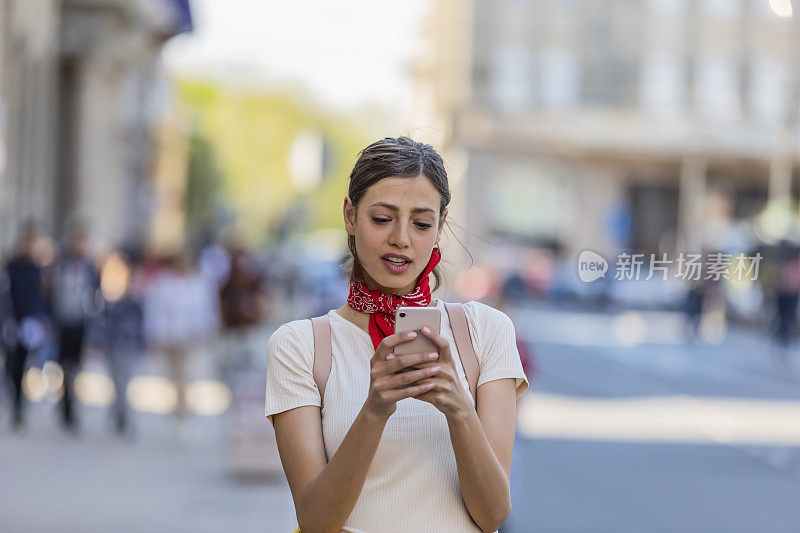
x: 382, y: 306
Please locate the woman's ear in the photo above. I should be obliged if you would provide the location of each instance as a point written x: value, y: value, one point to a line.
x: 349, y: 214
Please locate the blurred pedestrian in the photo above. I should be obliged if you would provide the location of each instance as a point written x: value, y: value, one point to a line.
x: 28, y: 331
x: 180, y: 312
x: 8, y: 341
x: 215, y: 262
x: 693, y: 310
x: 787, y: 294
x: 118, y: 330
x: 72, y: 285
x: 242, y: 304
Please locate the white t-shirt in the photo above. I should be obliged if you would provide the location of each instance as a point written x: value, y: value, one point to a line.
x: 412, y: 484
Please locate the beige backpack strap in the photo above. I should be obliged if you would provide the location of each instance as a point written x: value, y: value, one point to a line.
x: 322, y: 353
x: 469, y: 361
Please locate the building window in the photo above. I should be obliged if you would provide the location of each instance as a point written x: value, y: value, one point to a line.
x: 530, y: 201
x: 510, y: 78
x: 610, y: 59
x: 560, y: 82
x: 718, y: 88
x: 767, y: 94
x: 662, y: 83
x: 610, y: 82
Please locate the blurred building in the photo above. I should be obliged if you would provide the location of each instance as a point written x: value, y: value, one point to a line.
x: 655, y: 124
x: 81, y: 88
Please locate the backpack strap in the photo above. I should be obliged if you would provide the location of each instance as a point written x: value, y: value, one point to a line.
x: 322, y: 353
x: 466, y: 351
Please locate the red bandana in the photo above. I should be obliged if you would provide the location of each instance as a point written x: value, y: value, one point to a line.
x: 382, y: 306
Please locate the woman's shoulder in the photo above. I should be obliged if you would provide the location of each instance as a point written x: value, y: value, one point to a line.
x: 294, y: 337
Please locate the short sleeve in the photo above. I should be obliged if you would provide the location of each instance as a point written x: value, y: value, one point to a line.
x: 290, y: 377
x: 496, y: 345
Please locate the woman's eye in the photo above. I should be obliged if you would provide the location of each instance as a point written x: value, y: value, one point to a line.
x: 420, y: 225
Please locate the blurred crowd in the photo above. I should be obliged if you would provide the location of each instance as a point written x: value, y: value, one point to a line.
x: 59, y: 301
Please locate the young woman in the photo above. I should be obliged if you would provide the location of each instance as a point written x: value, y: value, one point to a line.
x: 399, y: 443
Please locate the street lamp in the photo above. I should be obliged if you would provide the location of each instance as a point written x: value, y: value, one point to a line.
x: 782, y: 8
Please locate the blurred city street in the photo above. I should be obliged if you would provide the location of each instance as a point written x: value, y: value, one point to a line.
x: 733, y: 472
x: 621, y: 177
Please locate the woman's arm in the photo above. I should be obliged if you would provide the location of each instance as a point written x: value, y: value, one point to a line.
x: 325, y: 494
x: 483, y: 442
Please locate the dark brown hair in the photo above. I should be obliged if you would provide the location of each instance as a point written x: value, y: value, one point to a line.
x: 394, y: 157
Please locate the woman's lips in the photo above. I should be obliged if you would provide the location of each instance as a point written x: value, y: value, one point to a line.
x: 395, y: 268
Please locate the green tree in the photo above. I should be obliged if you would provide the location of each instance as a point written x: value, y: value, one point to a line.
x: 251, y: 132
x: 203, y: 186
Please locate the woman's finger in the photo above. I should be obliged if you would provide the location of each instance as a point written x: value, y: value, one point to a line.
x: 441, y: 343
x: 400, y: 362
x: 404, y: 379
x: 389, y: 342
x: 412, y: 391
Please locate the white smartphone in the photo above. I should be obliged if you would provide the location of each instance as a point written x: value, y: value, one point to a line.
x: 413, y: 319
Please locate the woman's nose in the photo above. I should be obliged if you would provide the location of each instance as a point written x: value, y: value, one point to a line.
x: 399, y: 236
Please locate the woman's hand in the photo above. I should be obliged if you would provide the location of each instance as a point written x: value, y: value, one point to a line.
x: 394, y: 377
x: 447, y: 394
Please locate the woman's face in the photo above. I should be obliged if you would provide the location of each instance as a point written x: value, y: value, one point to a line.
x: 397, y: 218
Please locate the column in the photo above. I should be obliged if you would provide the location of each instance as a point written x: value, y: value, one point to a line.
x: 691, y: 204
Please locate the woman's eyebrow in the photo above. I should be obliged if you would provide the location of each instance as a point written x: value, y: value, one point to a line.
x: 395, y: 208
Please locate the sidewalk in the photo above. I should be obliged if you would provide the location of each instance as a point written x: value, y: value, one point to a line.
x: 159, y: 481
x: 207, y: 475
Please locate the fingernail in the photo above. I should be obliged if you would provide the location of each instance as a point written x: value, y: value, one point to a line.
x: 434, y: 369
x: 412, y: 334
x: 390, y: 356
x: 433, y: 355
x: 426, y: 329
